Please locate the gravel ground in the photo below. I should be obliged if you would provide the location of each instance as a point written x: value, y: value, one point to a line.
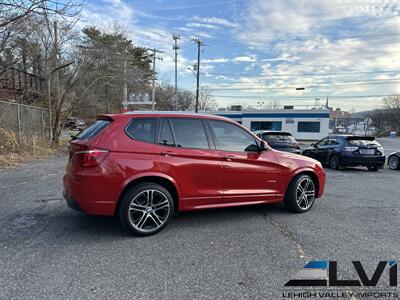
x: 49, y: 251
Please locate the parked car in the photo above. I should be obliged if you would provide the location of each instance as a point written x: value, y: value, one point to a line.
x: 74, y: 123
x: 393, y: 160
x: 143, y: 167
x: 279, y: 140
x: 339, y: 151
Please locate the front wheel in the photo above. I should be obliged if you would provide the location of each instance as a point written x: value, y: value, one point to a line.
x: 146, y: 209
x: 334, y: 162
x: 393, y: 162
x: 301, y: 194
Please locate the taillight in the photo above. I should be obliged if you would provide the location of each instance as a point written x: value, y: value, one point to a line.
x: 91, y: 157
x: 350, y: 149
x: 85, y: 156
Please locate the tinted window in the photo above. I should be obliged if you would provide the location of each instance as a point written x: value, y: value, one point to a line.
x: 166, y: 137
x: 362, y: 143
x: 232, y: 138
x: 189, y: 133
x: 324, y: 142
x: 142, y: 129
x: 93, y: 129
x: 262, y: 125
x: 334, y: 142
x: 308, y: 126
x: 278, y: 138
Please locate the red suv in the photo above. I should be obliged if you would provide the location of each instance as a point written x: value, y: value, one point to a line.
x: 143, y: 167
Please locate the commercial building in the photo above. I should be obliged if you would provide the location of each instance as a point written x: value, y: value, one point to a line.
x: 303, y: 124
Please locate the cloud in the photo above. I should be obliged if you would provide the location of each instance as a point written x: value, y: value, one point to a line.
x: 218, y: 21
x: 244, y: 59
x: 216, y: 60
x: 202, y: 25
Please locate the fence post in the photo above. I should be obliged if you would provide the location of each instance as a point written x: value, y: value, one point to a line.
x: 19, y: 121
x: 42, y: 123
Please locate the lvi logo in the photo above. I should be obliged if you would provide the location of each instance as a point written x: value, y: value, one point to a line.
x: 324, y: 273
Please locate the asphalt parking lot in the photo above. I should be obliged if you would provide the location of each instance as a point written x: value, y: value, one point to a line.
x: 49, y: 251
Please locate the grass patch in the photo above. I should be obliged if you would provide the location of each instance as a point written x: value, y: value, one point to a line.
x: 14, y: 151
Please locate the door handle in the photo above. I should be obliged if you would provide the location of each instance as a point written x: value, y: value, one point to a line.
x: 229, y: 158
x: 168, y: 153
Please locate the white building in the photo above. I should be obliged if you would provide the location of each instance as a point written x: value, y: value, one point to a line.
x: 310, y: 124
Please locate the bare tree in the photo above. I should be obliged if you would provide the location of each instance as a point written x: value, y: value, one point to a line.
x: 206, y: 103
x: 392, y: 104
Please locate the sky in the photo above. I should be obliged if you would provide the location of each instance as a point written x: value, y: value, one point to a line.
x: 259, y: 51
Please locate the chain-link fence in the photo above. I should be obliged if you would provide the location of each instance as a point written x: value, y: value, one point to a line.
x: 24, y: 120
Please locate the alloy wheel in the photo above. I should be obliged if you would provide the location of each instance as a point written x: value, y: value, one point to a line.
x: 148, y: 211
x: 393, y: 162
x: 305, y: 193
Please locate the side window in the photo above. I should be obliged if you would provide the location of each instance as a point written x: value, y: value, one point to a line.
x: 323, y: 142
x: 232, y: 138
x: 166, y: 137
x: 142, y: 129
x: 333, y: 142
x: 190, y: 133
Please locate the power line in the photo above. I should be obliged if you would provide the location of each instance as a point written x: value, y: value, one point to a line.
x: 294, y: 87
x: 251, y: 84
x: 301, y: 74
x: 299, y: 97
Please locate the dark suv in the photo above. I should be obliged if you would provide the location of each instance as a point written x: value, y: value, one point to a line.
x: 346, y: 150
x: 279, y: 140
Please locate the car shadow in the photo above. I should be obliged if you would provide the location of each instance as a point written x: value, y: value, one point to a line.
x: 66, y: 225
x: 110, y: 227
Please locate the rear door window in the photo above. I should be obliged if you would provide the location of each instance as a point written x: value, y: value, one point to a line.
x: 190, y: 133
x: 93, y: 129
x: 142, y: 129
x: 166, y: 136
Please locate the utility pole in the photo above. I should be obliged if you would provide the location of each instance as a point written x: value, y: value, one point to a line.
x: 199, y: 44
x: 176, y: 37
x: 55, y: 64
x: 125, y: 87
x: 153, y: 85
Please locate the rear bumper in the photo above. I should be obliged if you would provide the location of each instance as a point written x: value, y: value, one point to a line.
x: 71, y: 203
x: 88, y: 197
x: 362, y: 160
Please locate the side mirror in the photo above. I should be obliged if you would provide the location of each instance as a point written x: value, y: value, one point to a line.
x: 313, y: 145
x: 264, y: 146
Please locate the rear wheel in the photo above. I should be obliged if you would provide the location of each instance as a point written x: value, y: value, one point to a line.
x: 146, y: 209
x: 373, y: 168
x: 393, y: 162
x: 334, y: 162
x: 301, y: 194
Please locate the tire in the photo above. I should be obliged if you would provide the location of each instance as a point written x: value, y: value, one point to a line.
x: 334, y: 162
x: 294, y: 198
x: 146, y: 209
x: 393, y: 162
x: 373, y: 168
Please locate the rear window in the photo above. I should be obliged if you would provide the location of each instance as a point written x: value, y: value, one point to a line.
x: 278, y: 138
x: 362, y: 143
x: 142, y: 129
x: 93, y: 129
